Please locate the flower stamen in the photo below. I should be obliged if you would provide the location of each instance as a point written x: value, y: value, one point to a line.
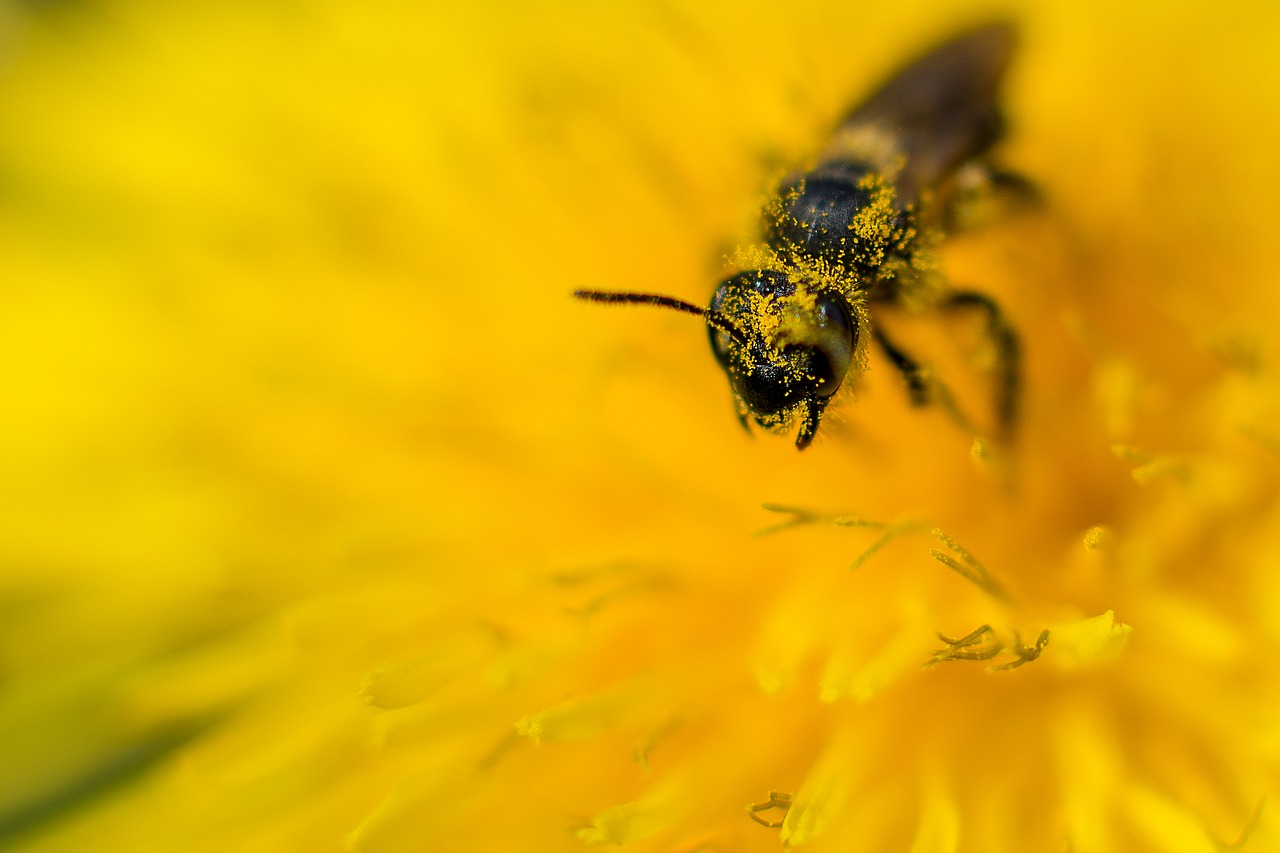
x: 968, y: 567
x: 1149, y: 467
x: 890, y: 532
x: 968, y: 648
x: 962, y: 648
x: 1024, y: 653
x: 779, y: 800
x: 799, y: 517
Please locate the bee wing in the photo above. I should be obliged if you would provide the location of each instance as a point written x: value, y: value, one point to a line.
x: 941, y: 110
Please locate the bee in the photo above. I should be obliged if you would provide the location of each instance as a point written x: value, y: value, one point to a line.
x: 855, y: 233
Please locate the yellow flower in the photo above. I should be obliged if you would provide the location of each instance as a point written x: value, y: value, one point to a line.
x: 331, y: 521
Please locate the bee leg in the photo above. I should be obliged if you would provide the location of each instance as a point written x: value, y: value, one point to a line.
x: 980, y: 190
x: 917, y: 385
x: 1008, y: 353
x: 922, y: 388
x: 1016, y: 186
x: 810, y: 417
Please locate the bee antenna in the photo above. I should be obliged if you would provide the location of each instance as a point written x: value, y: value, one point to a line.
x: 715, y: 319
x: 640, y: 299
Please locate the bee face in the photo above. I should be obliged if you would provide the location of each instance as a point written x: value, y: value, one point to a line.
x: 790, y: 351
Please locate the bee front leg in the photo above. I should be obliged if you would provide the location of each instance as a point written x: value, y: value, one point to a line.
x: 810, y: 415
x: 917, y: 385
x: 922, y: 388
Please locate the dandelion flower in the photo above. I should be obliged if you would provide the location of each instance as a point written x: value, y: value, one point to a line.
x: 332, y: 522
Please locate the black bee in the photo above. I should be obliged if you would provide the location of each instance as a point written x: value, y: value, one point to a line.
x: 854, y: 232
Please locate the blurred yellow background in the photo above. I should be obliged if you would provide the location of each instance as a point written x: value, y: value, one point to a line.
x: 330, y: 520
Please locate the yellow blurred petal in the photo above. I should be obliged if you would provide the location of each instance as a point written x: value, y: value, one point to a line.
x: 1088, y: 642
x: 629, y: 822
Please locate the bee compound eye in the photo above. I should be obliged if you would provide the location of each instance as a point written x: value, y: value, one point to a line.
x: 834, y: 339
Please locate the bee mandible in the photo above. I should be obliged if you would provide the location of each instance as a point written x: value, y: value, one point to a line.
x: 853, y: 233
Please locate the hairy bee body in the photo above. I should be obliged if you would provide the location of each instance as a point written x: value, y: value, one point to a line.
x: 853, y: 232
x: 844, y: 215
x: 858, y: 207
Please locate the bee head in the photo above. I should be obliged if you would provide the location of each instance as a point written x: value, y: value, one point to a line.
x: 789, y: 350
x: 786, y: 351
